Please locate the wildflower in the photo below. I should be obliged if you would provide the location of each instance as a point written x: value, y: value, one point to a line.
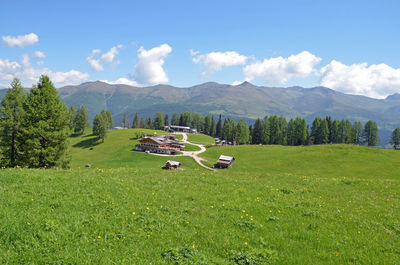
x: 212, y: 206
x: 147, y: 208
x: 99, y: 237
x: 193, y: 246
x: 245, y: 243
x: 133, y: 213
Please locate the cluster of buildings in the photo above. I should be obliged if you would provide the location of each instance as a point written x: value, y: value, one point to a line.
x: 162, y: 144
x: 176, y: 128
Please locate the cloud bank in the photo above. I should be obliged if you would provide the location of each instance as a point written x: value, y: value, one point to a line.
x: 214, y: 61
x: 149, y: 69
x: 30, y: 75
x: 20, y: 41
x: 280, y: 69
x: 375, y: 80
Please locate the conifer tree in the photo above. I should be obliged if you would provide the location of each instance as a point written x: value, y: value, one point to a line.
x: 370, y: 133
x: 218, y: 129
x: 265, y: 131
x: 242, y: 133
x: 158, y: 123
x: 100, y: 126
x: 109, y: 119
x: 81, y: 120
x: 149, y: 123
x: 12, y: 114
x: 166, y: 120
x: 175, y: 119
x: 46, y: 127
x: 136, y: 121
x: 125, y: 120
x: 212, y: 127
x: 395, y: 139
x: 141, y: 124
x: 72, y: 114
x: 257, y: 132
x: 358, y: 129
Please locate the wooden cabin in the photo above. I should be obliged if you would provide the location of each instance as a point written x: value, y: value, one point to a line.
x: 172, y: 164
x: 225, y: 161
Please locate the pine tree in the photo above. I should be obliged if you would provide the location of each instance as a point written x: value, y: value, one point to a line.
x: 265, y: 131
x: 72, y: 114
x: 100, y: 126
x: 149, y: 123
x: 166, y: 120
x: 358, y: 129
x: 257, y: 132
x: 370, y: 133
x: 81, y: 120
x: 46, y: 127
x: 207, y: 124
x: 109, y: 120
x: 218, y: 129
x: 213, y: 127
x: 175, y: 119
x: 395, y: 139
x: 125, y: 120
x: 12, y: 115
x: 291, y: 133
x: 158, y: 123
x: 141, y: 124
x: 136, y: 121
x: 301, y: 131
x: 226, y: 131
x: 242, y: 133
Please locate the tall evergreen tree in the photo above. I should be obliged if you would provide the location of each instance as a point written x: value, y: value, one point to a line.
x: 81, y: 120
x: 218, y: 129
x: 370, y: 133
x: 149, y: 123
x: 358, y: 130
x: 158, y: 123
x: 125, y: 120
x: 109, y: 120
x: 175, y: 119
x: 242, y: 133
x: 100, y: 126
x: 213, y: 127
x: 226, y: 131
x: 166, y: 120
x: 207, y: 124
x: 257, y: 135
x: 136, y: 121
x: 11, y: 119
x: 265, y: 131
x: 46, y: 127
x: 395, y: 139
x: 72, y: 114
x: 142, y: 124
x: 334, y: 133
x: 301, y: 131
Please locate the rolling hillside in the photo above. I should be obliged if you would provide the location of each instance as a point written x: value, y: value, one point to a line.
x: 336, y: 204
x: 245, y: 101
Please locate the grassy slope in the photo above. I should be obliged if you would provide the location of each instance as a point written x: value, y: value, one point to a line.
x: 200, y: 139
x: 280, y: 205
x: 117, y: 151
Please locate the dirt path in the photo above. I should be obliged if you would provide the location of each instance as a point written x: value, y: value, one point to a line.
x: 193, y: 154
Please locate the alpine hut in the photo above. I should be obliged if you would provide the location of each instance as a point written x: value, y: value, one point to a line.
x: 172, y: 164
x: 225, y: 161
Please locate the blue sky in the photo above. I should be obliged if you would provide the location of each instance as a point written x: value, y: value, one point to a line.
x: 349, y: 46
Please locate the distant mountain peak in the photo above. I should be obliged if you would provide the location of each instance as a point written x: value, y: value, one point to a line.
x: 395, y: 96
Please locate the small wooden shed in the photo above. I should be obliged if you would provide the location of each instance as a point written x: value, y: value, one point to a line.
x: 225, y: 161
x: 172, y: 164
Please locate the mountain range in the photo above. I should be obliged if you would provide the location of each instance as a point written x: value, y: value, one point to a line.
x: 245, y: 101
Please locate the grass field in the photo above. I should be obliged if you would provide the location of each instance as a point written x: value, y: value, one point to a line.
x: 191, y: 147
x: 276, y: 205
x: 200, y: 139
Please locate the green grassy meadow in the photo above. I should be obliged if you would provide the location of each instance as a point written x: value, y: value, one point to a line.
x: 200, y: 139
x: 334, y: 204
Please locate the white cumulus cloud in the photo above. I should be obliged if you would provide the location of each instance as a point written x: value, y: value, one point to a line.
x: 108, y: 57
x: 38, y: 55
x: 122, y: 81
x: 214, y: 61
x: 21, y: 41
x: 149, y: 69
x: 375, y: 80
x: 280, y: 70
x: 30, y: 75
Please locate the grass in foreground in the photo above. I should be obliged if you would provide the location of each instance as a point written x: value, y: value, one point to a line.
x: 305, y: 205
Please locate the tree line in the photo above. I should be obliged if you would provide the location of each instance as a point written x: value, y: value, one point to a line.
x: 270, y: 129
